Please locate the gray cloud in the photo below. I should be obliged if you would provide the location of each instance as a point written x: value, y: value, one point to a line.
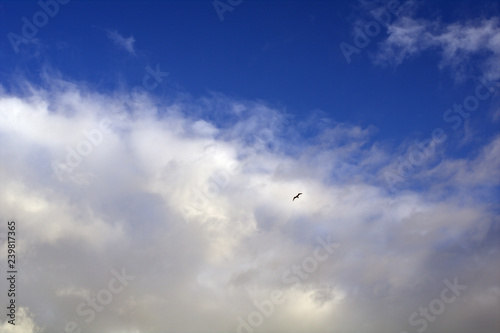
x: 200, y: 214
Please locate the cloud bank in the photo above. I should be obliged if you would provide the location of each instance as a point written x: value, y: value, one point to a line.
x: 143, y: 215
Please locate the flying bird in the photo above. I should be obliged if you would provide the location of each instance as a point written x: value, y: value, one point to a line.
x: 296, y: 197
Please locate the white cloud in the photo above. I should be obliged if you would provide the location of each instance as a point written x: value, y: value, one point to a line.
x: 457, y: 44
x: 24, y: 323
x: 483, y: 170
x: 200, y: 211
x: 125, y: 43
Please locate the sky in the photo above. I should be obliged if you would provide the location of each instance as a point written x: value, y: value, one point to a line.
x: 150, y: 151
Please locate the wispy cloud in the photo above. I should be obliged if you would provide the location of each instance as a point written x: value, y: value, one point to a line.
x: 125, y: 43
x: 458, y: 44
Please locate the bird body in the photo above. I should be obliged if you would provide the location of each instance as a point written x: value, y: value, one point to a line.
x: 296, y: 197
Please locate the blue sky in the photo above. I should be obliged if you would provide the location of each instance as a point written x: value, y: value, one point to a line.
x: 167, y: 138
x: 289, y: 56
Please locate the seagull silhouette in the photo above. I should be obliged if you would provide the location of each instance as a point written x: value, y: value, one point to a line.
x: 296, y: 197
